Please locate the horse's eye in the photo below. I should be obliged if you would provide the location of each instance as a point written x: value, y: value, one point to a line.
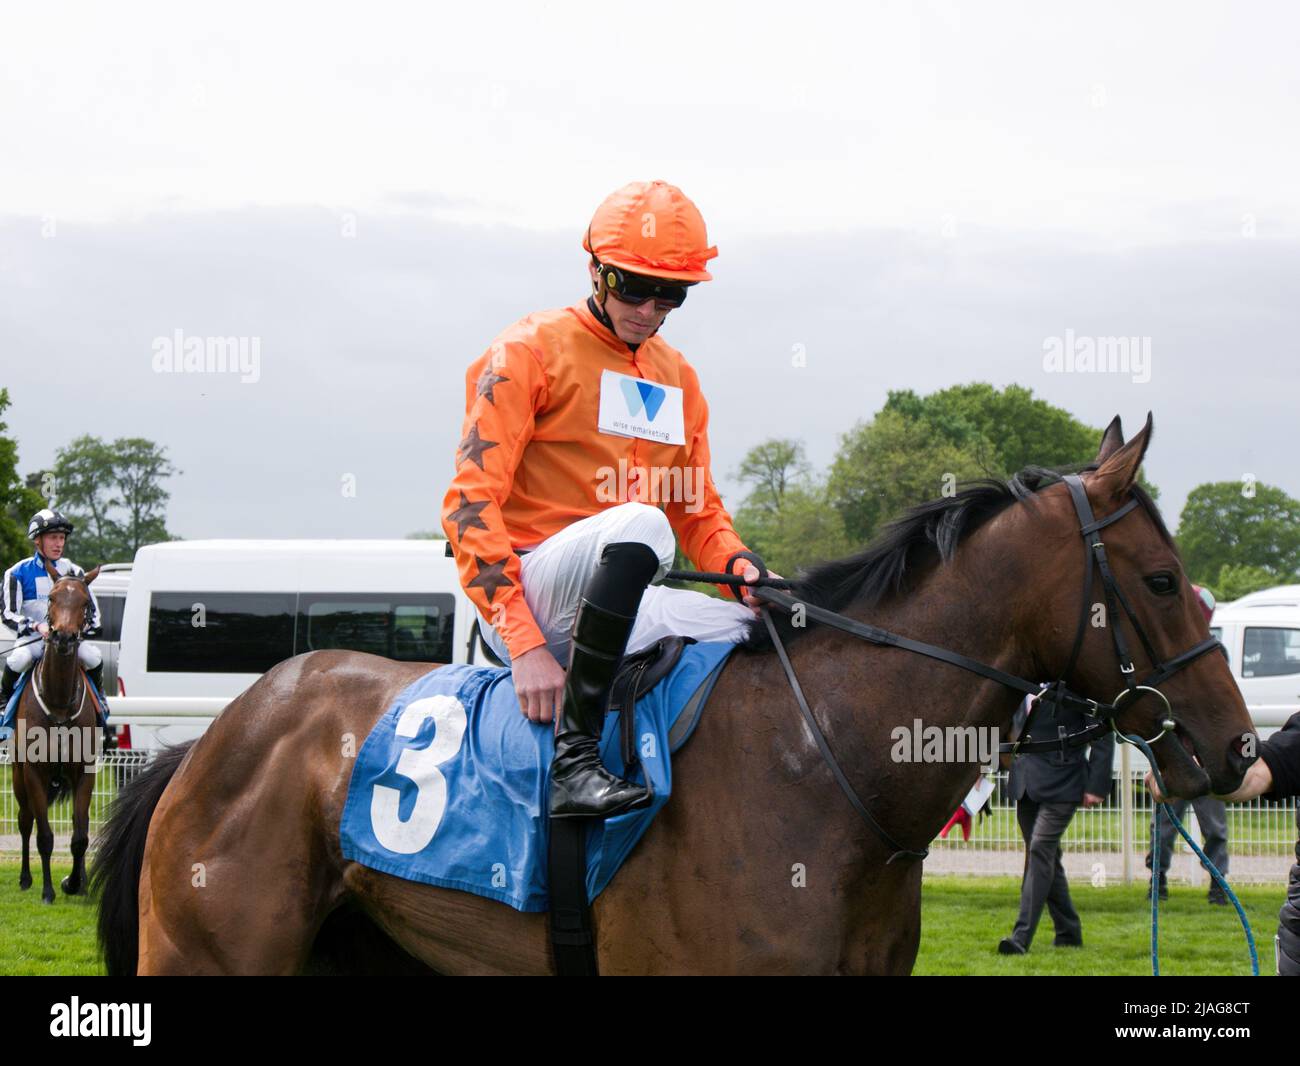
x: 1162, y: 584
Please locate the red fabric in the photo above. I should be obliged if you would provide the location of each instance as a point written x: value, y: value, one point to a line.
x: 960, y: 817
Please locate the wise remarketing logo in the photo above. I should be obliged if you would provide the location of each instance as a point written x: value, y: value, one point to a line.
x: 642, y: 395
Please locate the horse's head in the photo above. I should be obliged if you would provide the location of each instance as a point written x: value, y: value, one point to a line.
x: 69, y: 608
x: 1213, y: 739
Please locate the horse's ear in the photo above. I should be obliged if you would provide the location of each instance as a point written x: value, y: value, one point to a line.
x: 1115, y: 476
x: 91, y: 575
x: 1111, y: 441
x: 55, y: 576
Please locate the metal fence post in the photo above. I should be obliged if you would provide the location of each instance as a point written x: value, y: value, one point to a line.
x: 1126, y: 812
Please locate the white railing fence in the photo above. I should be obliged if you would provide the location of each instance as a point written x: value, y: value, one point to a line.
x: 113, y: 769
x: 1108, y: 842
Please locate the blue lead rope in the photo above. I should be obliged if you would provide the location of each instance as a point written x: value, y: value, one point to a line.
x: 1219, y: 879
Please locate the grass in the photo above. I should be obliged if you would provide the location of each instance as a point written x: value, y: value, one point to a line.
x: 963, y: 918
x: 41, y: 939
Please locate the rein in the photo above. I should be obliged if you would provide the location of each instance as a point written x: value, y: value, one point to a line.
x: 1057, y: 693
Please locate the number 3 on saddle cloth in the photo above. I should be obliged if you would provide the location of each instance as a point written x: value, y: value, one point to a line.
x: 450, y: 787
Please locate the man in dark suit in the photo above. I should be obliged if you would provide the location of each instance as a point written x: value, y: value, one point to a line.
x: 1048, y: 788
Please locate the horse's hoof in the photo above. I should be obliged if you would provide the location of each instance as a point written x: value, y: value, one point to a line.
x: 23, y: 886
x: 71, y: 891
x: 47, y: 899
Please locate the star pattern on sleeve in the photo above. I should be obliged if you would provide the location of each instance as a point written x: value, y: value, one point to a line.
x: 491, y: 576
x: 473, y: 447
x: 487, y: 381
x: 467, y: 515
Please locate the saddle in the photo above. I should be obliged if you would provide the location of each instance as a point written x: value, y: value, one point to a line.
x: 638, y: 674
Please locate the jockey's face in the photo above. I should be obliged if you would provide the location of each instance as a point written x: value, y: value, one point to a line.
x: 50, y: 545
x: 633, y: 323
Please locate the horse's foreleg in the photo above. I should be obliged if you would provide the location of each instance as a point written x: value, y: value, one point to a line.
x: 25, y: 831
x: 44, y: 837
x: 75, y: 882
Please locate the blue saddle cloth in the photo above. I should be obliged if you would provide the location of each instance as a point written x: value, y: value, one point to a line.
x: 11, y: 708
x: 450, y: 787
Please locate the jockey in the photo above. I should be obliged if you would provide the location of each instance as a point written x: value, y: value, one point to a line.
x: 585, y: 450
x: 24, y: 601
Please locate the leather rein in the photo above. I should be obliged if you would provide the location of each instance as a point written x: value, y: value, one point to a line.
x: 1057, y: 693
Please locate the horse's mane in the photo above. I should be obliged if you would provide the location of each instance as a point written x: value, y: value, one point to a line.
x: 927, y: 535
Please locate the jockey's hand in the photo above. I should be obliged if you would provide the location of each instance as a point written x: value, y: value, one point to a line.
x: 1089, y: 800
x: 539, y: 684
x: 751, y: 575
x: 43, y: 628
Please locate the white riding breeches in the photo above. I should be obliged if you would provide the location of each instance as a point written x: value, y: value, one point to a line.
x: 21, y: 658
x: 557, y: 570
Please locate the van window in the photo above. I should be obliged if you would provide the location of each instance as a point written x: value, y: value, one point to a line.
x: 410, y: 627
x: 110, y: 617
x: 1269, y: 652
x: 219, y: 632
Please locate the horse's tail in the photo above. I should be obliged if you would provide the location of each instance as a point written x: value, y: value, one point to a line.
x: 119, y: 857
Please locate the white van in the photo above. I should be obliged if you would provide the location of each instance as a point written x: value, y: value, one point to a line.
x: 205, y: 619
x: 1262, y: 634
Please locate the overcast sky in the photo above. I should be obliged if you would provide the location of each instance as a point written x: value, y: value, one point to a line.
x: 918, y: 195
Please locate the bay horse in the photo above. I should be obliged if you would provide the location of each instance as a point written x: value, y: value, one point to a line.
x: 224, y: 857
x: 57, y: 738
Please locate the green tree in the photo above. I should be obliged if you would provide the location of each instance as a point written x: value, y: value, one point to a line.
x: 1003, y: 431
x: 1237, y: 579
x: 114, y: 495
x: 1222, y: 526
x: 890, y: 464
x: 83, y: 490
x: 771, y: 468
x: 918, y: 447
x: 139, y: 468
x: 786, y: 516
x: 18, y: 500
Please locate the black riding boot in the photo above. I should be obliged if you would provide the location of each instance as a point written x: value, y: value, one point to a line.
x: 581, y: 787
x: 97, y: 679
x: 7, y: 684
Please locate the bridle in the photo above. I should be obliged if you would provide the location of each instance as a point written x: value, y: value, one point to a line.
x: 64, y: 644
x: 1057, y: 694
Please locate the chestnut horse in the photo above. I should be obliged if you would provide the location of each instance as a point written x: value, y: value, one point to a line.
x: 57, y: 739
x: 224, y: 857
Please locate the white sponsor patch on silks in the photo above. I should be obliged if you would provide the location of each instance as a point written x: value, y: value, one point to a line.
x: 634, y: 407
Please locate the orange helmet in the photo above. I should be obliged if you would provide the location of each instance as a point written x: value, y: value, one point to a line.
x: 651, y: 228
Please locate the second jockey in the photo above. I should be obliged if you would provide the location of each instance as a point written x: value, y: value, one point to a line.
x: 24, y: 602
x: 584, y: 458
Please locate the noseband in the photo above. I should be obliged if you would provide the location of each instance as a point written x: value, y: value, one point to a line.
x: 1057, y: 694
x: 64, y: 644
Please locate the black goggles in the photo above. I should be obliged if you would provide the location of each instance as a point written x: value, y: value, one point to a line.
x: 637, y: 289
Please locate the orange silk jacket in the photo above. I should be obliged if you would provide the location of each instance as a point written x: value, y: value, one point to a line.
x: 532, y: 459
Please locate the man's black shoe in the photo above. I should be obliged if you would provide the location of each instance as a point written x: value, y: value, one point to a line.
x: 1009, y: 946
x: 1164, y: 889
x: 1068, y: 942
x: 1216, y: 897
